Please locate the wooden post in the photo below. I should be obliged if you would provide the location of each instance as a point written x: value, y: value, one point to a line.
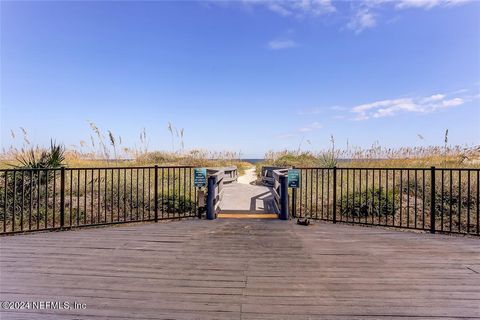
x: 211, y: 198
x: 284, y: 198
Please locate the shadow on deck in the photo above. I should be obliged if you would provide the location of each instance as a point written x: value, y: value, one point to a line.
x: 247, y: 198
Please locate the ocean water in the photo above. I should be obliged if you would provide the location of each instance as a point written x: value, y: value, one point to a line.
x: 253, y: 161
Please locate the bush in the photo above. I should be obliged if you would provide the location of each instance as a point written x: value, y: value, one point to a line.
x: 178, y: 204
x: 373, y: 201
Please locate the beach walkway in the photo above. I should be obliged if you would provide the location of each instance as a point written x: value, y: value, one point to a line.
x: 242, y: 269
x: 245, y: 197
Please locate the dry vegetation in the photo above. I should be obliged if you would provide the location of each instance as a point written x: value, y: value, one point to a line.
x: 105, y: 149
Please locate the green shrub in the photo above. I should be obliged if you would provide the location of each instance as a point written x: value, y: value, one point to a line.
x: 373, y: 201
x: 177, y: 204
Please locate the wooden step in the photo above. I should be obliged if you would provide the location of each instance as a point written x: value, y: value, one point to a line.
x: 224, y: 215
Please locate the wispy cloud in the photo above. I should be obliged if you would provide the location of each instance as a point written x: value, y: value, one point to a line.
x: 363, y: 19
x: 427, y: 4
x: 310, y: 112
x: 279, y: 9
x: 366, y: 12
x: 312, y: 126
x: 299, y: 8
x: 362, y: 14
x: 285, y: 136
x: 391, y: 107
x: 279, y: 44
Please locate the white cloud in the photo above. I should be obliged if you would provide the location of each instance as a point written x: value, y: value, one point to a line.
x: 309, y: 112
x: 312, y: 126
x: 314, y: 7
x: 285, y: 136
x: 391, y: 107
x: 365, y: 14
x: 427, y: 4
x: 282, y: 44
x: 277, y: 8
x: 363, y: 19
x: 294, y: 8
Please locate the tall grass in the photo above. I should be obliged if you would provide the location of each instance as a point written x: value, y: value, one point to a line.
x: 107, y: 150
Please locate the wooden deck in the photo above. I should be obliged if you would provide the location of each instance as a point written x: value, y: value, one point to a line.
x: 242, y: 269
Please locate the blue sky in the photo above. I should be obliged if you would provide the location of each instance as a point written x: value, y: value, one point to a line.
x: 246, y: 76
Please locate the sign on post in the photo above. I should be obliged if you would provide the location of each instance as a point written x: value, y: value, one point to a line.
x: 200, y: 177
x: 293, y: 178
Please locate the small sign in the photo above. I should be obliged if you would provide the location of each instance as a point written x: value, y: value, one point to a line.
x: 200, y: 177
x: 294, y: 178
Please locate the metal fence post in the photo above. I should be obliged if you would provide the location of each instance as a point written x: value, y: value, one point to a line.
x: 156, y: 193
x: 62, y: 197
x: 335, y: 194
x: 432, y: 199
x: 211, y: 198
x: 284, y: 198
x: 294, y: 202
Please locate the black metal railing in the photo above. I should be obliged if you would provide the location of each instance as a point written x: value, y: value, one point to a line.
x: 445, y: 200
x: 46, y: 199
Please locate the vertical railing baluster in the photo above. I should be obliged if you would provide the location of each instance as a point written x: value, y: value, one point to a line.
x: 125, y: 195
x: 92, y: 200
x: 353, y: 196
x: 323, y: 190
x: 408, y: 198
x: 163, y: 203
x: 366, y: 195
x: 443, y: 199
x: 401, y: 197
x: 394, y: 213
x: 478, y: 202
x: 149, y: 193
x: 451, y: 200
x: 38, y: 197
x: 468, y: 202
x: 5, y: 205
x: 432, y: 199
x: 112, y: 194
x: 46, y: 199
x: 70, y: 203
x: 155, y: 187
x: 14, y: 199
x: 143, y: 194
x: 78, y: 197
x: 316, y: 193
x: 30, y: 200
x: 23, y: 200
x: 62, y: 197
x: 415, y: 200
x: 341, y: 194
x: 328, y: 194
x: 334, y: 194
x: 85, y: 213
x: 423, y: 199
x: 459, y: 200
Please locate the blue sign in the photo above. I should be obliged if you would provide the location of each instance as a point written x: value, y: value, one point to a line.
x: 200, y: 177
x: 293, y: 178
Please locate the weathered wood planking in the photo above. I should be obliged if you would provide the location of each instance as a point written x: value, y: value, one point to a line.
x: 242, y: 269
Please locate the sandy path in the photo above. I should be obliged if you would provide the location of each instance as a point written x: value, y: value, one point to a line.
x: 248, y: 177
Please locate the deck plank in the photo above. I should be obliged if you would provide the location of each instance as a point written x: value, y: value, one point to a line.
x: 242, y: 269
